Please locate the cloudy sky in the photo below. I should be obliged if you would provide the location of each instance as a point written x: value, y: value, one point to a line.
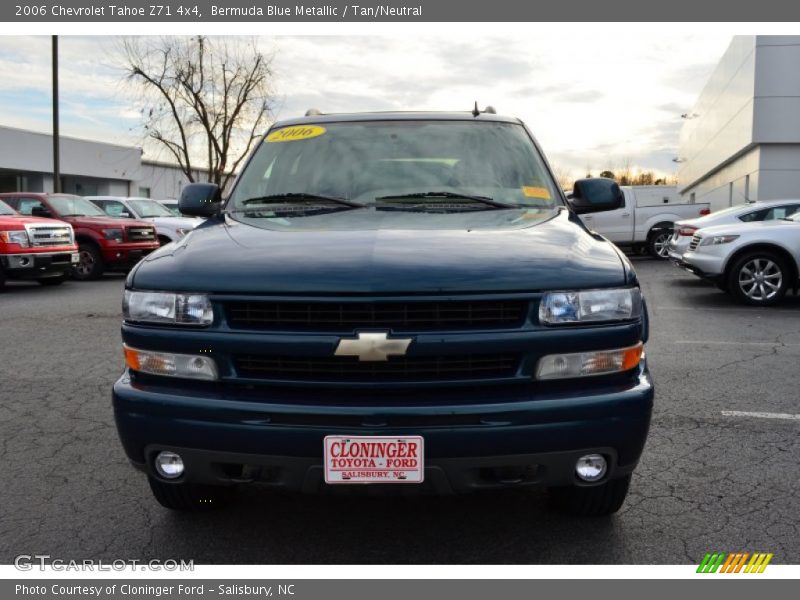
x: 592, y: 101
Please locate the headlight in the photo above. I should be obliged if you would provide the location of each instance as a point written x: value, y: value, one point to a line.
x: 584, y: 364
x: 165, y: 307
x: 718, y: 239
x: 590, y: 306
x: 19, y: 237
x: 169, y: 364
x: 114, y: 235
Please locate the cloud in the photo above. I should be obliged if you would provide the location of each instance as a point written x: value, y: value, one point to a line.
x: 591, y: 100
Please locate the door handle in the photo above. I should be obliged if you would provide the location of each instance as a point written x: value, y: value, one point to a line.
x: 626, y: 214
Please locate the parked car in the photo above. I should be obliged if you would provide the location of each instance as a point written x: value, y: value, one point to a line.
x: 171, y: 206
x: 755, y: 262
x: 104, y: 243
x: 764, y: 210
x: 34, y: 248
x: 169, y: 228
x: 646, y: 219
x: 388, y: 299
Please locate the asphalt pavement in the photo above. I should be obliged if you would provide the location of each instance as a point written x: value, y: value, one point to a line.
x: 714, y: 477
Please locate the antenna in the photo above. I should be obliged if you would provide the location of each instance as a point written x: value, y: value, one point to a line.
x: 475, y: 111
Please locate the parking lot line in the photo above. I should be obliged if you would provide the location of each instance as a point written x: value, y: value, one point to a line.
x: 761, y: 415
x: 730, y: 343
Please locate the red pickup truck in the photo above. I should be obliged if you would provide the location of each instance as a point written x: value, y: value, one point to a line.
x: 35, y: 248
x: 104, y: 243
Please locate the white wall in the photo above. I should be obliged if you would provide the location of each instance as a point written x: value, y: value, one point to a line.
x: 720, y: 124
x: 22, y: 150
x: 747, y: 125
x: 104, y: 169
x: 165, y: 181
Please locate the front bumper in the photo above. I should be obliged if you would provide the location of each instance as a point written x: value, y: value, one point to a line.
x: 38, y: 265
x: 228, y: 436
x: 704, y: 264
x: 125, y: 255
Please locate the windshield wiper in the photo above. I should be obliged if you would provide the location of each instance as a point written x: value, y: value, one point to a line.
x: 301, y: 196
x: 450, y: 196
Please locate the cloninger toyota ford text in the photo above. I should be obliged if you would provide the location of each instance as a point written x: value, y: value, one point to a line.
x: 388, y: 299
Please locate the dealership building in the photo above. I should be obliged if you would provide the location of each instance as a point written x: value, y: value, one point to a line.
x: 741, y: 140
x: 88, y: 168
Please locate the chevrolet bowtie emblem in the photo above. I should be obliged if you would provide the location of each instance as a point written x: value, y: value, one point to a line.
x: 373, y: 347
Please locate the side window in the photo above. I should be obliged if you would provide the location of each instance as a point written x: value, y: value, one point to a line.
x: 756, y: 215
x: 26, y: 205
x: 778, y: 212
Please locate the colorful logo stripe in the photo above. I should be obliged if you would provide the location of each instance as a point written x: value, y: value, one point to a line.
x: 734, y: 562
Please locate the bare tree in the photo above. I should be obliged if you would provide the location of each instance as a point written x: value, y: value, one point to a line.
x: 205, y: 100
x: 564, y: 178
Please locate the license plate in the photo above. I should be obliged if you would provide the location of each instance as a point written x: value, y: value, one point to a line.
x: 374, y: 459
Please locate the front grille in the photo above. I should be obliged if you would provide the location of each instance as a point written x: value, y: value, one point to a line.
x: 695, y: 241
x: 397, y: 316
x: 50, y: 235
x: 141, y: 234
x: 397, y: 369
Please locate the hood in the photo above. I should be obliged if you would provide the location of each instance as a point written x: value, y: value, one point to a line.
x: 90, y: 221
x: 22, y: 220
x: 487, y: 251
x: 739, y: 228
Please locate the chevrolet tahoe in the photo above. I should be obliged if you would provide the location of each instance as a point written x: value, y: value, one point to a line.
x: 388, y: 300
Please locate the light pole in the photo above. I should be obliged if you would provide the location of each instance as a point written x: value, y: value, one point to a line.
x: 56, y: 161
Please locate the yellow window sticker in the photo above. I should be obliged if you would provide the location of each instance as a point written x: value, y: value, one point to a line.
x: 536, y: 192
x: 295, y: 133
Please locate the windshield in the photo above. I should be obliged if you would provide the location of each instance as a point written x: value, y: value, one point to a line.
x: 149, y: 208
x: 74, y: 206
x: 372, y: 162
x: 5, y: 209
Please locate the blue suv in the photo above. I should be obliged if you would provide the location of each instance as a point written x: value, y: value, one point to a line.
x: 384, y: 300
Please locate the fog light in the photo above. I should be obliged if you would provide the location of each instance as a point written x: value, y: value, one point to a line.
x: 591, y: 467
x: 169, y: 465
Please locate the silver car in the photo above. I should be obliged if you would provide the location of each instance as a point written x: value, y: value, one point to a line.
x: 763, y: 210
x: 757, y: 263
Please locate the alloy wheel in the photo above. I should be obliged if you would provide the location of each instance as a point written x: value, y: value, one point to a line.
x: 760, y: 279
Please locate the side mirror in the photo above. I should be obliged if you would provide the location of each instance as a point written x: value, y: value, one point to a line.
x: 125, y: 215
x: 40, y: 211
x: 596, y: 195
x: 200, y: 200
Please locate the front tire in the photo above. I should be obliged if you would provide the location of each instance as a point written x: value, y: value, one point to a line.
x: 658, y: 243
x: 190, y: 496
x: 591, y: 501
x: 759, y: 279
x: 91, y: 265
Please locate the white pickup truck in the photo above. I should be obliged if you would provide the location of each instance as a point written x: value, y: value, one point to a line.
x: 647, y: 218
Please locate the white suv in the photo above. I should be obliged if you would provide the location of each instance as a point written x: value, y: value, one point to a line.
x: 762, y: 210
x: 755, y: 262
x: 169, y: 228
